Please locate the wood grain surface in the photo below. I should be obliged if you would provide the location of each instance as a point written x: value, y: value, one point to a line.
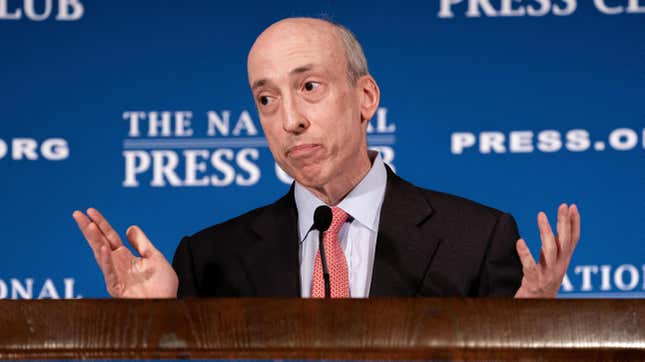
x: 388, y: 328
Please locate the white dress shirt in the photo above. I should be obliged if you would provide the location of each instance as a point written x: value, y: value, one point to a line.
x: 358, y: 235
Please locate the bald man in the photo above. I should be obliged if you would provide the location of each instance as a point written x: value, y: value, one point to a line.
x: 315, y: 97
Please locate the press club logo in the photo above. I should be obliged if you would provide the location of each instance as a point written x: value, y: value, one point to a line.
x: 30, y: 288
x: 173, y: 149
x: 41, y: 10
x: 30, y: 149
x: 519, y: 8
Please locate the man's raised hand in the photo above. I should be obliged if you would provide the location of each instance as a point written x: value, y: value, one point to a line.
x: 542, y: 280
x: 126, y: 275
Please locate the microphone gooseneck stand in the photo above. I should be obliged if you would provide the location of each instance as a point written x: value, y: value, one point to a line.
x: 322, y: 220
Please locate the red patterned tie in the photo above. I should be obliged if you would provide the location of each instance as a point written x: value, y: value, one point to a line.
x: 336, y: 261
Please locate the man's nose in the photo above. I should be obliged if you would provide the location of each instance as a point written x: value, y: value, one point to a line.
x: 294, y: 120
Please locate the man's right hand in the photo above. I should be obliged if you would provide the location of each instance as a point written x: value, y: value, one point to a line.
x: 127, y: 276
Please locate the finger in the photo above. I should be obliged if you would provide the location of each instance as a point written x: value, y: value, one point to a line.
x: 81, y: 220
x: 525, y: 254
x: 103, y: 255
x: 549, y: 247
x: 93, y: 237
x: 101, y: 249
x: 109, y: 272
x: 110, y: 234
x: 563, y: 227
x: 140, y: 241
x: 574, y: 217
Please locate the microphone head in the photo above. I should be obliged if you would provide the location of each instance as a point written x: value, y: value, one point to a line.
x: 322, y: 218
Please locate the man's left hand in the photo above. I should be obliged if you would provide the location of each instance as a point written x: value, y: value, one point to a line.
x: 543, y: 280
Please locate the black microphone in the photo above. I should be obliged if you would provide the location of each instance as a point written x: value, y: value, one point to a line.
x: 322, y: 220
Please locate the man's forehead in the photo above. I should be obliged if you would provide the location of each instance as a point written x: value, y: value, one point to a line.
x: 294, y: 46
x: 298, y: 27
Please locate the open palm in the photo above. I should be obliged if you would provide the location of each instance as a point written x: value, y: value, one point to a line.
x: 543, y: 279
x: 126, y: 275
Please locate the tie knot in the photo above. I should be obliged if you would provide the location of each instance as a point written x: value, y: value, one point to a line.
x: 338, y: 218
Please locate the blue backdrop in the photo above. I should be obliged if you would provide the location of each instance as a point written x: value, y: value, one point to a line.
x: 142, y: 109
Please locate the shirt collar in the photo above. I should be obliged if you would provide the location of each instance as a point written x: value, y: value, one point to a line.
x: 363, y: 203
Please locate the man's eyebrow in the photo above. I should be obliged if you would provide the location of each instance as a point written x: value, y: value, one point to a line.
x: 301, y: 69
x: 259, y: 83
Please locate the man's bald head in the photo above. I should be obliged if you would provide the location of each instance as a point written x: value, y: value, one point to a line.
x: 343, y: 39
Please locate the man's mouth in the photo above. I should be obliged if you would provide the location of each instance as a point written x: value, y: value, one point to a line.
x: 303, y: 150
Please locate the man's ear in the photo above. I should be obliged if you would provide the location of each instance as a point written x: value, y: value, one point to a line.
x: 369, y: 96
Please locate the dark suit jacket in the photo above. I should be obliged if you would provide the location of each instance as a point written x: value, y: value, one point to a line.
x: 428, y: 244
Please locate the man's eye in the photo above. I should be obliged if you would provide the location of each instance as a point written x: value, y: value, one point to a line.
x: 264, y: 100
x: 309, y: 86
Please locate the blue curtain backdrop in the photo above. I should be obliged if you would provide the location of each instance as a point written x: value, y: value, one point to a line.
x: 519, y: 105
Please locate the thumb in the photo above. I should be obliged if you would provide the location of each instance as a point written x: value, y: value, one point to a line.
x: 140, y: 241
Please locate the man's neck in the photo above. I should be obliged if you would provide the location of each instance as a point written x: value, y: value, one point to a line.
x: 334, y: 192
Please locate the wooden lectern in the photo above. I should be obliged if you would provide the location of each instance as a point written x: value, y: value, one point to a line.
x: 377, y: 329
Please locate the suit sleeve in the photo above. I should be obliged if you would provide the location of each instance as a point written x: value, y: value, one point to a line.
x: 183, y: 264
x: 501, y: 271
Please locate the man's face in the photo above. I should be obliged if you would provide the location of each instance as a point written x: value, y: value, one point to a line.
x: 308, y: 109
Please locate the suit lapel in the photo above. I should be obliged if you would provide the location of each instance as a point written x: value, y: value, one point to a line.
x: 405, y: 244
x: 272, y: 263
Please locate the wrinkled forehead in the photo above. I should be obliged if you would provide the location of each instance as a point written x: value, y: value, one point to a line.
x: 286, y: 46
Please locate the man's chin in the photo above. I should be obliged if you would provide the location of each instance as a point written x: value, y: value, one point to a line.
x: 311, y: 177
